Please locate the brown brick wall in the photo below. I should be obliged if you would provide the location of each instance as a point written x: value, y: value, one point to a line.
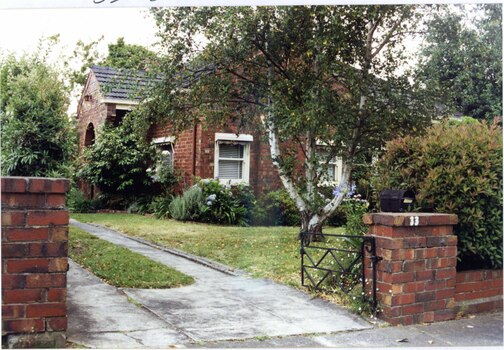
x: 90, y: 111
x: 34, y: 256
x: 417, y: 276
x: 479, y: 291
x: 417, y: 279
x: 199, y: 160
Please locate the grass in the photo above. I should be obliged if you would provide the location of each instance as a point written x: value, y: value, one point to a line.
x: 119, y: 266
x: 267, y: 252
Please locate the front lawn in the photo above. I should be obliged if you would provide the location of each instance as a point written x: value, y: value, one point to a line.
x: 119, y: 266
x: 267, y: 252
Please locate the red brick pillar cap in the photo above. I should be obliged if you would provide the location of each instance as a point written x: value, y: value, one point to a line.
x: 20, y: 184
x: 410, y: 219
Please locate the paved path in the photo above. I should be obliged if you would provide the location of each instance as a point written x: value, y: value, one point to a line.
x: 217, y: 307
x: 232, y: 311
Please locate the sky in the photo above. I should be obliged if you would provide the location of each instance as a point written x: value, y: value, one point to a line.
x: 21, y: 28
x: 23, y: 22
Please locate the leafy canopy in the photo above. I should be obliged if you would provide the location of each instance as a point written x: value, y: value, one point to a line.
x: 128, y: 56
x: 37, y: 137
x: 303, y: 67
x: 308, y: 75
x: 461, y: 63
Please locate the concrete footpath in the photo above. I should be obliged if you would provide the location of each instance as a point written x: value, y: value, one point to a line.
x: 225, y: 308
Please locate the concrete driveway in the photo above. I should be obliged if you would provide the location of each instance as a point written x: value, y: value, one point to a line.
x: 220, y: 306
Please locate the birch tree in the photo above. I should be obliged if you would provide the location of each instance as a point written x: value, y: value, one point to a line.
x: 307, y: 75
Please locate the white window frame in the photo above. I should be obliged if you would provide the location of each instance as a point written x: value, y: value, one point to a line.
x: 337, y: 163
x: 242, y: 139
x: 159, y: 141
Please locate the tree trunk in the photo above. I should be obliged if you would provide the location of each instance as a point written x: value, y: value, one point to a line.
x: 311, y: 227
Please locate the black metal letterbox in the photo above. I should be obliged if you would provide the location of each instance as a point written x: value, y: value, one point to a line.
x: 396, y: 200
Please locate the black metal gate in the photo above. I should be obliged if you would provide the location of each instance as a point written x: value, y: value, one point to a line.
x: 330, y: 261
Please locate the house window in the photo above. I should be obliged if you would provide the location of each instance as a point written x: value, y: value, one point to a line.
x: 232, y: 158
x: 166, y: 150
x: 330, y: 170
x: 164, y: 145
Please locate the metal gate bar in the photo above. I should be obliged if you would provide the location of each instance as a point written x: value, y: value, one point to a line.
x: 366, y: 244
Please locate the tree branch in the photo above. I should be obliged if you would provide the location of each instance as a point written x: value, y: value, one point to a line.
x: 270, y: 58
x: 389, y: 35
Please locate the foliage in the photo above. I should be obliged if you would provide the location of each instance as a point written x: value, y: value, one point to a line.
x: 463, y: 120
x: 165, y: 177
x: 188, y: 206
x: 246, y: 198
x: 461, y: 62
x: 160, y: 206
x: 226, y: 205
x: 84, y: 55
x: 287, y: 71
x: 355, y: 207
x: 454, y: 169
x: 141, y: 205
x: 209, y: 201
x: 78, y: 203
x: 119, y: 266
x: 117, y: 163
x: 276, y: 208
x: 128, y: 56
x: 37, y: 136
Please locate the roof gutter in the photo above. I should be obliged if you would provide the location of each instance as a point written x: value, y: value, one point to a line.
x: 119, y: 101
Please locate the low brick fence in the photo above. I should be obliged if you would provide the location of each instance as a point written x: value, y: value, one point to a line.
x: 479, y: 291
x: 417, y: 281
x: 34, y: 261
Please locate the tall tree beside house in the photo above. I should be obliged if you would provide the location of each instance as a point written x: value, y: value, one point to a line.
x: 37, y: 136
x: 319, y: 79
x: 120, y: 55
x: 128, y: 56
x: 461, y: 61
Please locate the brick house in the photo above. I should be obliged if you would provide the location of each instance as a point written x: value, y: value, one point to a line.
x: 110, y: 94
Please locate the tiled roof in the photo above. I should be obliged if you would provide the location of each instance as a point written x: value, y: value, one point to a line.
x: 122, y: 84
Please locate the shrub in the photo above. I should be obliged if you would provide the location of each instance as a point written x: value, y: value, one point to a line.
x: 229, y: 205
x: 189, y: 206
x: 117, y: 163
x: 160, y: 206
x: 78, y: 203
x: 37, y: 137
x: 454, y: 169
x: 177, y: 209
x: 277, y: 209
x: 355, y: 207
x: 164, y: 176
x: 141, y: 205
x: 209, y: 201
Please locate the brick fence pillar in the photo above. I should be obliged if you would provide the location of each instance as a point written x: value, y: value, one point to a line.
x: 34, y: 262
x: 417, y: 276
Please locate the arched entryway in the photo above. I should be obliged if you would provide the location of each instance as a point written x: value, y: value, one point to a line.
x: 89, y: 139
